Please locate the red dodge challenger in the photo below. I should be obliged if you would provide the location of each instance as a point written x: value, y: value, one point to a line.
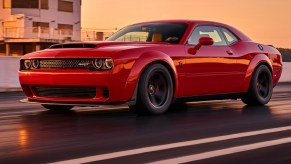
x: 150, y: 66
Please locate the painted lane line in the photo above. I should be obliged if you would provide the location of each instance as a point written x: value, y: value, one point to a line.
x: 217, y: 153
x: 170, y: 146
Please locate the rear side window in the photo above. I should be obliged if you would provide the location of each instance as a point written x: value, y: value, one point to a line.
x: 230, y: 38
x: 207, y: 31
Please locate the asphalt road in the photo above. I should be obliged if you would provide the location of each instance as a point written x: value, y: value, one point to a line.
x: 217, y: 131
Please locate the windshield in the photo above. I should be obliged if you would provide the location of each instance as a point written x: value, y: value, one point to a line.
x: 154, y: 32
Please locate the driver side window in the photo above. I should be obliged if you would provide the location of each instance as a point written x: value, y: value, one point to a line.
x: 207, y: 31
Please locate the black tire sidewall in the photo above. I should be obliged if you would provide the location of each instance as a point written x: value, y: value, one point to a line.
x: 254, y: 90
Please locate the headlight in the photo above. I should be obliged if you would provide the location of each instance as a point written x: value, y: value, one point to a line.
x: 98, y: 63
x: 26, y: 64
x: 108, y: 63
x: 35, y: 64
x: 103, y: 64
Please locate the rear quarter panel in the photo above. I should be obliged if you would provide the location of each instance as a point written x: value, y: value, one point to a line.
x: 250, y: 56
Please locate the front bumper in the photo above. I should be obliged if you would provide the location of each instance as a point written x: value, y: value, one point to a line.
x: 118, y: 91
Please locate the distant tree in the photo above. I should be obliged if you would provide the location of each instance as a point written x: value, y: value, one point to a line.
x: 286, y: 54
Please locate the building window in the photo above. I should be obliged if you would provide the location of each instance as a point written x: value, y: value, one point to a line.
x: 2, y: 49
x: 34, y: 4
x: 44, y: 4
x: 65, y: 29
x: 41, y: 27
x: 6, y: 4
x: 65, y: 6
x: 16, y: 49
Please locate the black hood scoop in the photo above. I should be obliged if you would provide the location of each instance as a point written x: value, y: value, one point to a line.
x: 73, y: 45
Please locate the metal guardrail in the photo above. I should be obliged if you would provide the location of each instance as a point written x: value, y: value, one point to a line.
x: 52, y: 33
x: 38, y: 32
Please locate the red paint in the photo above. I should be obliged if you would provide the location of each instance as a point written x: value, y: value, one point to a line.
x: 208, y: 70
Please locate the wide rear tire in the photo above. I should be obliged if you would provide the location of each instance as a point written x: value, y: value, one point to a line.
x: 58, y: 107
x: 155, y: 91
x: 261, y: 87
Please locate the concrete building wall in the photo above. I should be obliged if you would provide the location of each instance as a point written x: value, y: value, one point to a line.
x: 38, y: 27
x: 52, y: 15
x: 26, y: 16
x: 4, y: 12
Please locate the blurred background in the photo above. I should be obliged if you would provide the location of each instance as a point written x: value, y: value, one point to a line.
x: 33, y: 25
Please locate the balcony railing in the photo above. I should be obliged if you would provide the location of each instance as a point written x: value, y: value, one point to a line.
x: 52, y: 34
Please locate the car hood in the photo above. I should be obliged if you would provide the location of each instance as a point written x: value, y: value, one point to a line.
x: 91, y: 49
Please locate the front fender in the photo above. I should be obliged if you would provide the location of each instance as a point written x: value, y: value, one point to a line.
x: 257, y: 60
x: 140, y: 65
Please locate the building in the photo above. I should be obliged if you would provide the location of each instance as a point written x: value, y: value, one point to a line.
x: 96, y: 34
x: 31, y: 25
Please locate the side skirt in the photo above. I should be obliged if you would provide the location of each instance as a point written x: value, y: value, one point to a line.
x: 232, y: 96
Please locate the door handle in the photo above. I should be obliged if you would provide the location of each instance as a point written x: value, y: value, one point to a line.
x: 229, y: 52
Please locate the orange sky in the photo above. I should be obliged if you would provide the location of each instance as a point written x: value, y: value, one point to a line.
x: 265, y: 21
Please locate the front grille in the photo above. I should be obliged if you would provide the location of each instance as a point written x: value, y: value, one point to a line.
x: 65, y: 63
x: 65, y: 92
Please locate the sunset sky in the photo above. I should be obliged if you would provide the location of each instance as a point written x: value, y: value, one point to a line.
x: 265, y: 21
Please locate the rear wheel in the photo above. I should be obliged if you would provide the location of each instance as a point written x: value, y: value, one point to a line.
x: 57, y: 107
x: 261, y: 87
x: 155, y: 91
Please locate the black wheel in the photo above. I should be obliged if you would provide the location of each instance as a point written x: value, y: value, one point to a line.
x: 261, y: 87
x: 155, y: 91
x: 58, y: 107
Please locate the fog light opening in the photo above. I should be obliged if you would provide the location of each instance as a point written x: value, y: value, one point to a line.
x: 105, y: 93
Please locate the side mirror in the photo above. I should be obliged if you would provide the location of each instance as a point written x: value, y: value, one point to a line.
x: 206, y: 41
x: 203, y: 41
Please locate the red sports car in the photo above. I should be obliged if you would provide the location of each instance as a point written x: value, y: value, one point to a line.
x: 151, y: 65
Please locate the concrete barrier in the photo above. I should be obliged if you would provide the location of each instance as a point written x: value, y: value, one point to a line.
x: 286, y: 74
x: 9, y: 67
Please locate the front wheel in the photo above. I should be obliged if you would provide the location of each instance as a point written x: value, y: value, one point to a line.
x: 57, y: 107
x: 261, y: 87
x: 155, y: 91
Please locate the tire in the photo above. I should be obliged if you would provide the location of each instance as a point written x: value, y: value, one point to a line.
x: 155, y: 91
x: 261, y: 87
x: 58, y: 107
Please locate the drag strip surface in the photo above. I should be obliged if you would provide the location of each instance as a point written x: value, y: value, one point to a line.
x: 30, y: 134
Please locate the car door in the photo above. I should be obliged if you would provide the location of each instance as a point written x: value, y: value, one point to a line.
x: 212, y: 69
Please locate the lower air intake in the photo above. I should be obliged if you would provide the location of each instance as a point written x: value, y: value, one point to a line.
x: 65, y: 92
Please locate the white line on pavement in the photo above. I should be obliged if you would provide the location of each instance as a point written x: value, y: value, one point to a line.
x: 216, y: 153
x: 170, y: 146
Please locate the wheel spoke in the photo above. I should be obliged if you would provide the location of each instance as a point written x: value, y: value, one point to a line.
x: 153, y: 99
x: 160, y: 95
x: 262, y: 92
x: 263, y: 85
x: 157, y: 89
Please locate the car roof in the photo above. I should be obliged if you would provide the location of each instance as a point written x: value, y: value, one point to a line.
x: 194, y: 23
x: 188, y: 21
